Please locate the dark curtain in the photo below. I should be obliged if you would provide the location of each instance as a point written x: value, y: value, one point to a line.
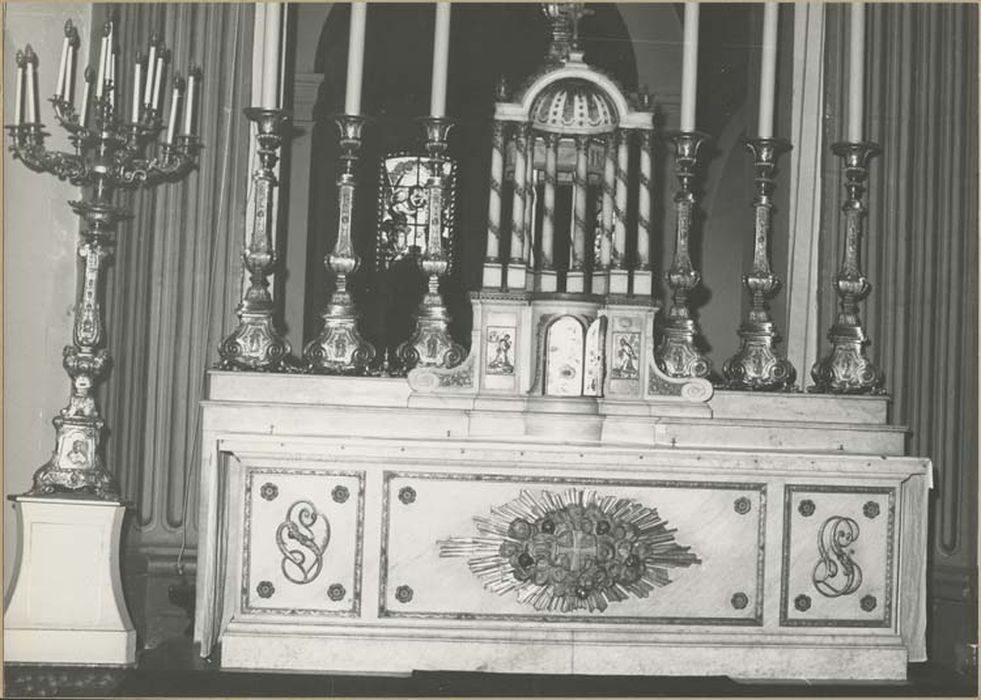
x: 177, y: 276
x: 921, y: 256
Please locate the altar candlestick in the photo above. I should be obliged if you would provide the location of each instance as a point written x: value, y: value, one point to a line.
x: 89, y: 75
x: 150, y: 69
x: 174, y: 109
x: 63, y: 62
x: 856, y: 82
x: 689, y: 67
x: 768, y: 69
x: 19, y: 93
x: 272, y: 49
x: 32, y: 99
x: 441, y: 57
x: 192, y: 79
x: 102, y: 63
x: 355, y: 58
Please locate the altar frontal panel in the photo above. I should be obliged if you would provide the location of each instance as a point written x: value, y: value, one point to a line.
x: 500, y: 547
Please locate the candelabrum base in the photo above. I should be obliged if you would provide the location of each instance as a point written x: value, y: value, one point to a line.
x: 255, y: 345
x: 431, y: 344
x: 846, y: 369
x: 676, y: 355
x: 756, y: 366
x: 75, y: 468
x: 339, y: 349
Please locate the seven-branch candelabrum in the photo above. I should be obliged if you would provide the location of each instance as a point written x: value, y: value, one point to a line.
x: 677, y: 354
x: 255, y: 344
x: 431, y: 344
x: 114, y: 145
x: 846, y: 369
x: 339, y: 348
x: 756, y: 366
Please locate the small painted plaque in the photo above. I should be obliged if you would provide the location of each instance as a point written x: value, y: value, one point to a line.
x: 500, y: 350
x: 626, y: 355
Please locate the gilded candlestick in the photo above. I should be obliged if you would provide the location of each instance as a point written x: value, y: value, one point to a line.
x: 677, y: 354
x: 756, y: 366
x: 846, y: 369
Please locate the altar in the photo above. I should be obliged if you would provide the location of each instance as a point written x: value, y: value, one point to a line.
x: 574, y: 491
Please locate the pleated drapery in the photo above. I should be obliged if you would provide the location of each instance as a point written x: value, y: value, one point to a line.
x: 921, y: 247
x: 177, y: 276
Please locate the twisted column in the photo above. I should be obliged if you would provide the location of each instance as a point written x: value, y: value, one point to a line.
x: 677, y: 354
x: 492, y: 264
x: 756, y: 366
x: 531, y: 196
x: 619, y: 277
x: 548, y: 274
x: 516, y: 264
x: 846, y: 369
x: 642, y: 268
x: 601, y: 270
x: 575, y: 280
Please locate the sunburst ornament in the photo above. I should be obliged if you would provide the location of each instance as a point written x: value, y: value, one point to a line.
x: 570, y: 551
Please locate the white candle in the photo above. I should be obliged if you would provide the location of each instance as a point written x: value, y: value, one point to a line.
x: 102, y: 66
x: 70, y: 87
x: 441, y: 57
x: 137, y: 88
x: 83, y: 114
x: 174, y: 105
x: 150, y: 65
x: 768, y: 69
x: 856, y: 76
x: 272, y: 49
x: 355, y: 58
x: 189, y: 106
x: 689, y: 67
x: 157, y: 78
x: 31, y: 85
x: 19, y: 94
x: 63, y: 63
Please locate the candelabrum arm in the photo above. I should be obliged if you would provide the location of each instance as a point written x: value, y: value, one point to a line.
x: 28, y: 147
x: 175, y: 162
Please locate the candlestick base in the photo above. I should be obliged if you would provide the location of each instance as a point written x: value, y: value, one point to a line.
x: 339, y: 348
x: 431, y: 344
x: 756, y: 366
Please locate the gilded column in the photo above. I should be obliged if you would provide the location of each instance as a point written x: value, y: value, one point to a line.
x: 619, y: 276
x: 548, y: 275
x: 516, y: 264
x: 575, y: 280
x: 642, y: 268
x: 493, y: 276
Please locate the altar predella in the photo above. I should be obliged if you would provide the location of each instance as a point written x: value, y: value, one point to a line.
x: 571, y: 494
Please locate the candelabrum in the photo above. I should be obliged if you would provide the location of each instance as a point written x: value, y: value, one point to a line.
x: 846, y: 369
x: 340, y: 349
x: 109, y: 153
x: 756, y: 365
x: 431, y: 344
x: 255, y: 344
x: 677, y: 354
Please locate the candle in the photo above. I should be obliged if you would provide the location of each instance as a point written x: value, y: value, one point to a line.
x: 272, y: 49
x: 768, y: 69
x: 174, y: 106
x: 89, y: 75
x: 19, y: 94
x: 137, y: 86
x: 355, y: 58
x: 72, y: 53
x: 102, y: 63
x: 150, y: 67
x: 111, y: 71
x: 192, y: 79
x: 63, y: 63
x: 441, y: 57
x: 32, y: 100
x: 689, y: 67
x: 158, y: 78
x: 856, y: 81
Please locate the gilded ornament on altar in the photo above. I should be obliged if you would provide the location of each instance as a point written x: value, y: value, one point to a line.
x: 302, y: 538
x: 836, y: 573
x: 571, y: 551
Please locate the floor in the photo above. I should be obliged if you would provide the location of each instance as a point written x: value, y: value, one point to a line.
x: 173, y: 670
